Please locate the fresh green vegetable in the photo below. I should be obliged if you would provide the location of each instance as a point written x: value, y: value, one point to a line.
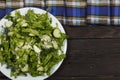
x: 57, y: 33
x: 30, y: 44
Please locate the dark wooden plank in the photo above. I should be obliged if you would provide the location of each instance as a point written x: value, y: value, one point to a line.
x: 3, y: 77
x: 91, y: 58
x: 93, y: 32
x: 84, y: 78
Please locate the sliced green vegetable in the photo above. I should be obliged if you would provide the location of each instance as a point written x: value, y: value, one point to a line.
x: 57, y: 33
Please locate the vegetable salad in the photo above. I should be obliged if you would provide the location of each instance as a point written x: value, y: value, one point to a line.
x: 30, y: 44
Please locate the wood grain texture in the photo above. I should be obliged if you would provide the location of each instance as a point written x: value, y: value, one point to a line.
x: 93, y: 54
x: 91, y: 59
x: 93, y: 32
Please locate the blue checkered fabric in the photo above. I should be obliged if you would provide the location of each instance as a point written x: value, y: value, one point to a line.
x: 2, y: 8
x: 98, y: 12
x: 115, y: 12
x: 71, y: 12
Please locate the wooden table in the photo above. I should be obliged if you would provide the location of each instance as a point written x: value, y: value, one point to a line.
x: 93, y: 54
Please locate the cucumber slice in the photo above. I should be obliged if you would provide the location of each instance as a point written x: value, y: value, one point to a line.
x: 55, y: 45
x: 57, y: 33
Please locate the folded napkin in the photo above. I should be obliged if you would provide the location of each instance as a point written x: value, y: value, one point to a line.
x: 71, y: 12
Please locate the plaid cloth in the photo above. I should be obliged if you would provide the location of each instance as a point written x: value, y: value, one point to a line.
x: 34, y: 3
x: 56, y: 8
x: 75, y: 12
x: 71, y: 12
x: 2, y: 8
x: 98, y: 12
x: 115, y: 12
x: 13, y: 4
x: 68, y: 12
